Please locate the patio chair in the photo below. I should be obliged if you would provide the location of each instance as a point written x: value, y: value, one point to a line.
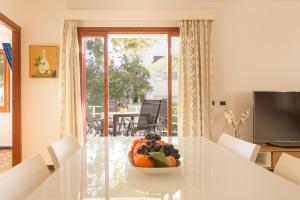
x: 90, y: 123
x: 162, y: 121
x: 122, y: 126
x: 147, y: 119
x: 99, y: 126
x: 94, y: 124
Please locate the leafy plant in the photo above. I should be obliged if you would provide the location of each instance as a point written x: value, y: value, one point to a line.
x: 38, y: 61
x: 229, y: 116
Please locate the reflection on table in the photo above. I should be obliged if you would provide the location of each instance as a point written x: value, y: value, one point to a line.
x: 210, y: 172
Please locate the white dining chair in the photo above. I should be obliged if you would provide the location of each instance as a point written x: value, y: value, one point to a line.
x: 61, y: 150
x: 19, y: 181
x: 241, y: 147
x: 288, y: 167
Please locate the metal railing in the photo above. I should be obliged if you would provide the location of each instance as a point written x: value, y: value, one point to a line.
x: 93, y: 112
x: 97, y: 111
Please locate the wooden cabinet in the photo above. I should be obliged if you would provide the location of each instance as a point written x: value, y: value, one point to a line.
x: 269, y: 155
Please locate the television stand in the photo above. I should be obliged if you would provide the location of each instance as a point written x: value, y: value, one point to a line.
x: 284, y: 144
x: 270, y: 154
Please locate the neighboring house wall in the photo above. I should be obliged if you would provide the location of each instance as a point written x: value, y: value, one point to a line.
x: 6, y: 117
x: 256, y: 47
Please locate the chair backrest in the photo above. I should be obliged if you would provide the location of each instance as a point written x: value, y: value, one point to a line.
x: 148, y: 115
x: 61, y: 150
x: 163, y: 112
x: 288, y: 167
x: 241, y: 147
x: 18, y: 182
x: 163, y: 109
x: 89, y: 120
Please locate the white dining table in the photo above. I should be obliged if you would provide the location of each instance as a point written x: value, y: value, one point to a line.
x: 100, y: 171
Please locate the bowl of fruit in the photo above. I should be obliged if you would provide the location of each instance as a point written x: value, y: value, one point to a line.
x: 152, y: 155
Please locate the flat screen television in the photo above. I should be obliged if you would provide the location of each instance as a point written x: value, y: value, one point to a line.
x: 276, y: 118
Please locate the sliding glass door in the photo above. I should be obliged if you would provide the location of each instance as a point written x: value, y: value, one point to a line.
x: 121, y: 69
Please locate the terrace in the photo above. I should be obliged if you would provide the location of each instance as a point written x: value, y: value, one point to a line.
x: 138, y: 71
x: 119, y: 126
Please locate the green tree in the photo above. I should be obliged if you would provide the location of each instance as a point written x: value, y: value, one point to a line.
x: 94, y: 71
x: 124, y: 45
x: 128, y: 79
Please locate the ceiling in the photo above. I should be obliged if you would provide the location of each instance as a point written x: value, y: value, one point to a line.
x: 106, y: 4
x: 151, y: 4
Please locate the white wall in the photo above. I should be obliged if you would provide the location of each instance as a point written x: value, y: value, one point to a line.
x: 257, y: 47
x: 256, y: 43
x: 41, y: 23
x: 5, y: 117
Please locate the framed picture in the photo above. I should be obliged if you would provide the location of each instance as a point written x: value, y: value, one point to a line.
x: 4, y: 83
x: 43, y: 61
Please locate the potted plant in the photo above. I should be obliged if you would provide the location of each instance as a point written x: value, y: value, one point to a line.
x: 122, y: 107
x: 229, y: 116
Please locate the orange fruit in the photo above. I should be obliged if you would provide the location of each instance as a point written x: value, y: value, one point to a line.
x: 172, y: 162
x: 141, y: 160
x: 135, y: 142
x: 135, y: 157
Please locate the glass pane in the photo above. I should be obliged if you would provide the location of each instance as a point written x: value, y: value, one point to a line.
x: 93, y: 61
x: 175, y: 69
x: 93, y: 50
x: 138, y: 71
x: 1, y: 80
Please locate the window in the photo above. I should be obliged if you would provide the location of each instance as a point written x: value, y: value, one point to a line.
x: 121, y: 67
x: 165, y: 76
x: 157, y: 76
x: 4, y: 83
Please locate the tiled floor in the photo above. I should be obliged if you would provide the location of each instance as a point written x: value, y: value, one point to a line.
x: 5, y: 160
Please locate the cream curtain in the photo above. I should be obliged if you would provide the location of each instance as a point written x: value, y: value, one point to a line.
x: 69, y: 83
x: 195, y: 78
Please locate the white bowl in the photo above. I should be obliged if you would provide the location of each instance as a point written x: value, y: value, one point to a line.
x: 161, y: 170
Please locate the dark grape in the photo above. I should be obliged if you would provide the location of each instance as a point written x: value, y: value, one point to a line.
x: 144, y: 147
x: 167, y: 152
x: 153, y: 141
x: 148, y: 136
x: 171, y: 146
x: 148, y: 143
x: 156, y: 147
x: 177, y: 156
x: 176, y: 151
x: 157, y: 137
x: 166, y: 146
x: 149, y: 148
x: 153, y: 150
x: 140, y: 150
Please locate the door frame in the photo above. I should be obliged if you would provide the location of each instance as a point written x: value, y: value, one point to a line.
x: 105, y: 31
x: 16, y: 88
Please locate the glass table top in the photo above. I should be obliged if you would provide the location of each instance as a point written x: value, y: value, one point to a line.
x: 100, y: 170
